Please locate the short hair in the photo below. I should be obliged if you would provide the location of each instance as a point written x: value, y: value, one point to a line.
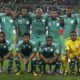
x: 39, y: 8
x: 54, y: 9
x: 49, y: 37
x: 2, y: 33
x: 7, y: 6
x: 72, y: 32
x: 26, y: 34
x: 24, y: 7
x: 69, y: 7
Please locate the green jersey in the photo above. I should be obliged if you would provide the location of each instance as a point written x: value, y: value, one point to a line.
x: 38, y: 26
x: 7, y: 26
x: 70, y: 24
x: 54, y: 27
x: 26, y: 48
x: 48, y: 51
x: 23, y: 25
x: 78, y: 26
x: 5, y: 47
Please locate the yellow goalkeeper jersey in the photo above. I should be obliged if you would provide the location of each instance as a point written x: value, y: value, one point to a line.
x: 73, y: 46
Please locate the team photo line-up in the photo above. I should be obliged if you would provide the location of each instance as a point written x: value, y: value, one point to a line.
x: 34, y: 38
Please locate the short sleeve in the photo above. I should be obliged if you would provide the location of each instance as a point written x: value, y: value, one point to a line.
x: 18, y: 47
x: 67, y: 45
x: 41, y: 49
x: 56, y: 49
x: 34, y: 49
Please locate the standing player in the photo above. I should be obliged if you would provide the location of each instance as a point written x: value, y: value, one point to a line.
x: 72, y: 53
x: 5, y: 52
x: 7, y: 24
x: 25, y: 52
x: 23, y: 23
x: 70, y: 23
x: 78, y: 20
x: 38, y: 24
x: 49, y: 55
x: 54, y: 24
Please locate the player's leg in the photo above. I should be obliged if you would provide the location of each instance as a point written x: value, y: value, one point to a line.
x: 72, y: 66
x: 57, y: 66
x: 26, y: 67
x: 18, y: 64
x: 33, y: 65
x: 1, y: 62
x: 9, y: 56
x: 50, y: 68
x: 78, y: 65
x: 64, y: 64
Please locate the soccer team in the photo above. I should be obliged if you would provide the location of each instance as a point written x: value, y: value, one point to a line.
x: 35, y: 39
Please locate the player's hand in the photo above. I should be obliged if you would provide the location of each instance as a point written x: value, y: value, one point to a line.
x: 46, y: 60
x: 5, y: 57
x: 51, y: 61
x: 24, y: 61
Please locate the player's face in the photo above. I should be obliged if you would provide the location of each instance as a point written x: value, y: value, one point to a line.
x: 73, y: 36
x: 14, y: 14
x: 38, y: 12
x: 49, y: 41
x: 7, y: 10
x: 2, y: 37
x: 68, y: 11
x: 26, y: 39
x: 24, y: 12
x: 54, y: 13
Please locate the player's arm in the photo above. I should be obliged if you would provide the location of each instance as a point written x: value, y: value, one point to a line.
x: 55, y: 54
x: 10, y: 48
x: 67, y: 46
x: 19, y: 55
x: 61, y: 21
x: 31, y: 56
x: 41, y: 55
x: 54, y: 58
x: 43, y: 58
x: 18, y: 49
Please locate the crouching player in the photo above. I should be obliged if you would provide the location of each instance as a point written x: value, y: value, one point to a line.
x: 72, y: 53
x: 25, y: 52
x: 5, y: 53
x: 49, y: 55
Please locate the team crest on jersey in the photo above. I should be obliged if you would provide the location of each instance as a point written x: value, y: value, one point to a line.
x: 57, y: 24
x: 72, y: 21
x: 11, y: 20
x: 3, y: 19
x: 51, y: 49
x: 27, y: 22
x: 45, y: 49
x: 43, y: 20
x: 4, y: 46
x: 29, y: 46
